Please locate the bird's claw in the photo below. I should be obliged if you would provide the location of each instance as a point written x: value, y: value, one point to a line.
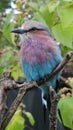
x: 35, y: 83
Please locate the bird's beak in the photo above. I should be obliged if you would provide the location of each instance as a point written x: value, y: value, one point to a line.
x: 18, y: 31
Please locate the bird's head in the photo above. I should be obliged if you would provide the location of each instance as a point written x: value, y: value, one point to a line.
x: 31, y: 27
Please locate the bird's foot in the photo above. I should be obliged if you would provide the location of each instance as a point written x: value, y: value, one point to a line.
x: 35, y: 83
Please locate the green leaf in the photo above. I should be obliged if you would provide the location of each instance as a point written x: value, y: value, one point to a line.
x: 30, y: 117
x: 5, y: 58
x: 17, y: 71
x: 33, y: 5
x: 7, y: 55
x: 53, y: 5
x: 38, y: 17
x: 4, y: 5
x: 47, y: 16
x: 17, y: 122
x: 64, y: 35
x: 66, y: 15
x: 66, y: 110
x: 8, y: 26
x: 65, y: 50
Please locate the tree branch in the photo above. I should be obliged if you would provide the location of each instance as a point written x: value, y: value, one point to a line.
x: 12, y: 109
x: 3, y: 97
x: 7, y: 84
x: 58, y: 68
x: 53, y: 112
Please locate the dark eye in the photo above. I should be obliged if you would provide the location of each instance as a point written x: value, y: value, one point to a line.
x: 34, y: 29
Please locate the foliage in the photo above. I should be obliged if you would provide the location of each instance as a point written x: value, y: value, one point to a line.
x: 4, y: 4
x: 56, y: 14
x: 59, y: 17
x: 18, y: 121
x: 65, y: 105
x: 66, y: 111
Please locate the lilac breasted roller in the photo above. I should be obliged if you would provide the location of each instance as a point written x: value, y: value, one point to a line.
x: 39, y: 54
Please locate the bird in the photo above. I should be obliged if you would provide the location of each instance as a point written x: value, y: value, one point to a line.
x: 39, y: 54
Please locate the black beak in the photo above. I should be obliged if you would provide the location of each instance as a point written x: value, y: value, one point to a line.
x: 18, y: 31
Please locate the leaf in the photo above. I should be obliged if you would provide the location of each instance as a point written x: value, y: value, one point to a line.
x: 5, y: 58
x: 30, y: 117
x: 33, y: 5
x: 16, y: 72
x: 66, y: 15
x: 64, y: 35
x: 38, y: 17
x: 66, y: 110
x: 7, y: 55
x: 17, y: 122
x: 8, y: 26
x: 4, y: 5
x: 53, y: 5
x: 46, y: 15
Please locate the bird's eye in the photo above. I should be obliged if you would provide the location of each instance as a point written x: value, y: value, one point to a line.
x: 34, y: 29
